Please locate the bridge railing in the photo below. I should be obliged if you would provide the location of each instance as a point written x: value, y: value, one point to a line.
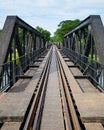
x: 20, y: 46
x: 85, y: 46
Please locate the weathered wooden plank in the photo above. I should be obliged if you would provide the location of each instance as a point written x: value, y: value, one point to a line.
x: 93, y: 126
x: 90, y: 106
x: 87, y: 86
x: 14, y: 104
x: 11, y: 126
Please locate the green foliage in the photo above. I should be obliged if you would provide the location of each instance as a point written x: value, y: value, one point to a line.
x: 45, y: 33
x: 0, y: 31
x: 13, y: 57
x: 63, y: 28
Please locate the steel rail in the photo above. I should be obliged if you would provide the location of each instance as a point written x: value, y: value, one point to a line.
x: 67, y: 120
x: 37, y: 120
x: 75, y: 121
x: 70, y: 117
x: 38, y: 101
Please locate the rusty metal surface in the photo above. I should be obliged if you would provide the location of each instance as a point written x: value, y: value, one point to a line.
x: 65, y: 110
x: 64, y: 100
x: 89, y: 102
x: 75, y: 123
x: 33, y: 115
x: 52, y: 114
x: 72, y: 82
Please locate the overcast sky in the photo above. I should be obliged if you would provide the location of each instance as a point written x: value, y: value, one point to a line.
x: 49, y: 13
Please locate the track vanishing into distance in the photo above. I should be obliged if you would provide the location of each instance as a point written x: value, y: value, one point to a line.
x: 52, y: 102
x: 49, y: 97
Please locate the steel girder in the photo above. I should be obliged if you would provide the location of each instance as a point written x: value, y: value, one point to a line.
x: 85, y: 46
x: 81, y: 37
x: 19, y: 45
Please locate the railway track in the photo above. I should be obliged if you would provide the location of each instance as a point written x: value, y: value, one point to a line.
x: 33, y: 118
x: 54, y: 99
x: 70, y: 114
x: 36, y: 119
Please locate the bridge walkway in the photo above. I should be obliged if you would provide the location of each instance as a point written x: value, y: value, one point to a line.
x: 65, y: 82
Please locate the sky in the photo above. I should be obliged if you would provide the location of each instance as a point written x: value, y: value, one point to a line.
x: 49, y: 13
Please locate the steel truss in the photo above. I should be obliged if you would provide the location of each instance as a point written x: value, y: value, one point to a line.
x: 20, y: 45
x: 85, y: 46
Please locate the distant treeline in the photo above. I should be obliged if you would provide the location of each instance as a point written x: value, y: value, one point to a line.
x: 63, y: 28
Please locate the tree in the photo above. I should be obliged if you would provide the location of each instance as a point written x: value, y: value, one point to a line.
x: 45, y: 33
x: 0, y: 30
x: 63, y: 28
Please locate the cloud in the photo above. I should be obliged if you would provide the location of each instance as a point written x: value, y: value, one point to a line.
x: 49, y: 13
x: 45, y: 3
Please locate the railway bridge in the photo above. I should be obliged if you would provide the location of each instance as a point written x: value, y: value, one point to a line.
x: 52, y: 86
